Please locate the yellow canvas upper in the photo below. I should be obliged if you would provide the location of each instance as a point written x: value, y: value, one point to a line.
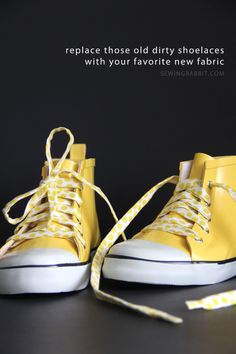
x: 89, y: 217
x: 219, y: 244
x: 61, y: 212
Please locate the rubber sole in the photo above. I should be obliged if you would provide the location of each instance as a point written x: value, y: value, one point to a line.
x: 44, y: 279
x: 167, y: 273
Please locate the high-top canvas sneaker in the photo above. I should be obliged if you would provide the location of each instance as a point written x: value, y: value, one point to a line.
x: 51, y: 248
x: 191, y: 242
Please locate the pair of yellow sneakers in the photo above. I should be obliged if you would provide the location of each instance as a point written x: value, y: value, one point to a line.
x: 191, y: 242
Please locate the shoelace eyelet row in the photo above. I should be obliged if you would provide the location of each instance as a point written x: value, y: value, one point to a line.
x: 39, y: 215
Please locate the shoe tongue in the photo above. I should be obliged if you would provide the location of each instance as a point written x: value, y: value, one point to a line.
x: 77, y: 154
x: 69, y: 165
x: 198, y: 164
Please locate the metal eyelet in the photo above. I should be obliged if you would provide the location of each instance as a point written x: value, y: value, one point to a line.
x: 200, y: 240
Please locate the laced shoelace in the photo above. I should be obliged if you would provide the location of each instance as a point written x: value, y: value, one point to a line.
x: 54, y: 206
x: 189, y: 204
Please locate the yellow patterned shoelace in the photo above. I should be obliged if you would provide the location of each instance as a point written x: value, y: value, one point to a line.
x: 51, y: 209
x: 191, y: 202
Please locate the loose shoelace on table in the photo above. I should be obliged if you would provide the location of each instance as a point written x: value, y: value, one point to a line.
x: 51, y: 209
x: 191, y: 202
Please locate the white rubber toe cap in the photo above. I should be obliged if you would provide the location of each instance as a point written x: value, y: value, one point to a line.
x: 149, y: 250
x: 38, y: 256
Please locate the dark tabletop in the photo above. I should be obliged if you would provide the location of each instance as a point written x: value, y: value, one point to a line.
x: 78, y: 323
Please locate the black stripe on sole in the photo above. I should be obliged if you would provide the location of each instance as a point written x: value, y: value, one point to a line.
x: 171, y: 262
x: 47, y: 265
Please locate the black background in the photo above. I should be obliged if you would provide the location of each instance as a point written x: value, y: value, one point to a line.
x: 137, y: 124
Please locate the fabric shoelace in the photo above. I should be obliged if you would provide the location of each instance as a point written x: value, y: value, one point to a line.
x: 191, y: 203
x: 54, y: 207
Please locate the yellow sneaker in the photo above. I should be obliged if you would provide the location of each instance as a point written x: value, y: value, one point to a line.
x: 191, y: 242
x: 51, y: 248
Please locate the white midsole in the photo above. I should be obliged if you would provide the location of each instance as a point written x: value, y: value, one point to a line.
x: 52, y: 279
x: 164, y: 273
